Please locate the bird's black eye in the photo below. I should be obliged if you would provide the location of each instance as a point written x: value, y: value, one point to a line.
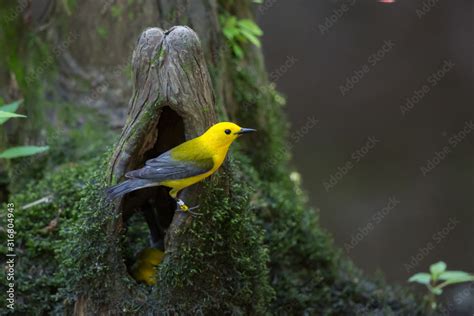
x: 227, y: 131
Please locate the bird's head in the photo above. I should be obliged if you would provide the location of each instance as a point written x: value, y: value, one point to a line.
x: 224, y: 133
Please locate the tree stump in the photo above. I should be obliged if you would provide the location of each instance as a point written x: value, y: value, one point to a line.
x: 172, y: 102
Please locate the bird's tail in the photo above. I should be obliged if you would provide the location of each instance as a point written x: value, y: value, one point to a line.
x: 127, y: 186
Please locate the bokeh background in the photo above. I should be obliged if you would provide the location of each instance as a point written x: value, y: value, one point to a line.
x: 401, y: 44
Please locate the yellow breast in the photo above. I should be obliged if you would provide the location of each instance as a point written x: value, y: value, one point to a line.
x: 199, y: 148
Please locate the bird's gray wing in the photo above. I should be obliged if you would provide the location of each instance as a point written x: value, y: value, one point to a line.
x: 164, y: 167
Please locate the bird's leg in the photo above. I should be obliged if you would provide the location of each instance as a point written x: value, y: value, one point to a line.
x: 157, y: 234
x: 184, y: 208
x: 181, y: 205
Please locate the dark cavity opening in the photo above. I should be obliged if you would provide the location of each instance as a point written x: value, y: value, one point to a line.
x: 152, y: 205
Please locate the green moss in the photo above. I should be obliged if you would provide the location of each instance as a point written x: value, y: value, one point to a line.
x: 92, y: 259
x: 221, y: 265
x: 223, y: 258
x: 102, y: 31
x: 80, y: 254
x: 309, y: 274
x: 69, y: 6
x: 301, y: 255
x: 37, y: 276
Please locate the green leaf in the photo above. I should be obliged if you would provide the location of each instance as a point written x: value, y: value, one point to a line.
x: 7, y: 115
x: 454, y: 277
x: 230, y: 22
x: 251, y: 38
x: 22, y: 151
x: 251, y: 27
x: 230, y: 33
x: 258, y: 1
x: 460, y: 280
x: 437, y: 268
x: 12, y: 108
x: 436, y: 291
x: 239, y: 53
x: 446, y: 275
x: 422, y: 278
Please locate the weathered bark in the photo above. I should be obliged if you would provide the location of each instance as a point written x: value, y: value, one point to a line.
x: 169, y: 70
x: 172, y: 101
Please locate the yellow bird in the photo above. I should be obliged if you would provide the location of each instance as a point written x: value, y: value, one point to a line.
x: 144, y: 268
x: 185, y: 164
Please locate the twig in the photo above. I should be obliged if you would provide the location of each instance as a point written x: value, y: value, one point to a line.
x: 46, y: 199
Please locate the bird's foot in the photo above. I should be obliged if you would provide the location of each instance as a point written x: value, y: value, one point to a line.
x: 190, y: 210
x: 184, y: 208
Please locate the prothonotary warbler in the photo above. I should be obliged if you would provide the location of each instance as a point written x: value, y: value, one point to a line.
x: 185, y: 164
x: 144, y: 268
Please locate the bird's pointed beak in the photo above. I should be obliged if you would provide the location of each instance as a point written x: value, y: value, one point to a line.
x: 244, y: 130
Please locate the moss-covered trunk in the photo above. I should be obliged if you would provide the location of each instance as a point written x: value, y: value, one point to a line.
x: 258, y: 248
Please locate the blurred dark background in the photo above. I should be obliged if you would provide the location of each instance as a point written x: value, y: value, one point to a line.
x: 311, y: 50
